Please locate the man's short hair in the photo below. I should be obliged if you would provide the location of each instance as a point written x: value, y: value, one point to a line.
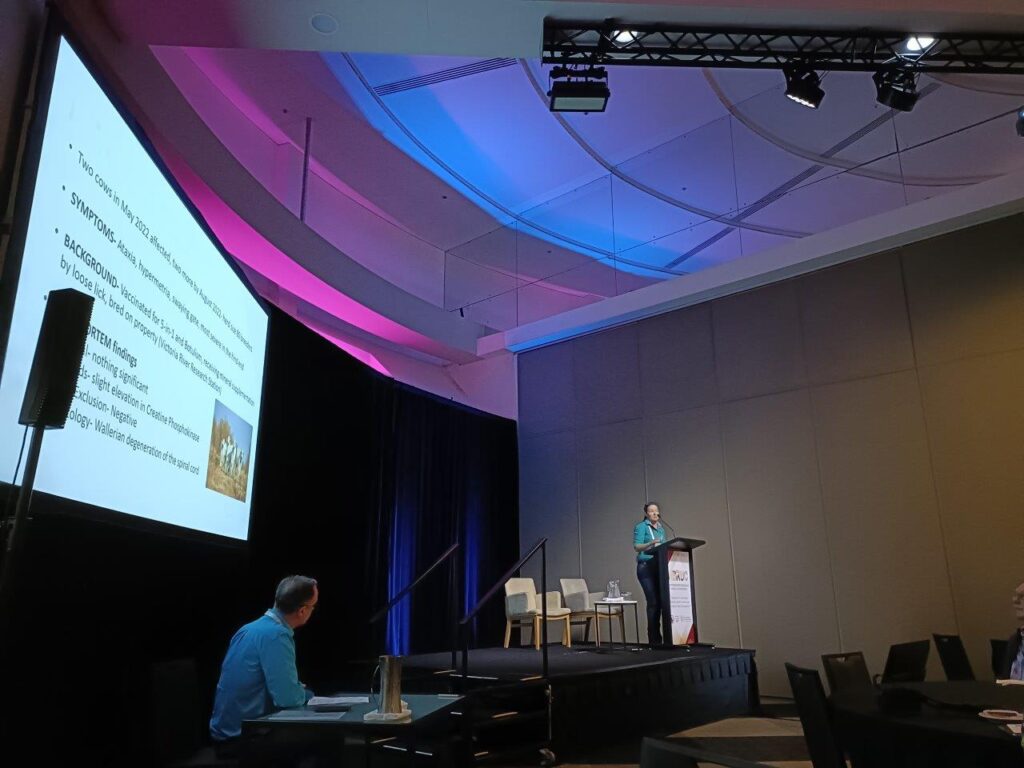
x: 293, y: 592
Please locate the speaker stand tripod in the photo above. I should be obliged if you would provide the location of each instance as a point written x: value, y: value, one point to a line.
x: 16, y: 527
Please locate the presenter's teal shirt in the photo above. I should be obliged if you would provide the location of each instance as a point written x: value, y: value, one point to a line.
x: 258, y: 676
x: 645, y: 534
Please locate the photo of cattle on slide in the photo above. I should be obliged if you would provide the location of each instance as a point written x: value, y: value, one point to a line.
x: 227, y: 471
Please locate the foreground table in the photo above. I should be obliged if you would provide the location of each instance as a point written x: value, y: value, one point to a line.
x: 947, y: 730
x: 294, y: 728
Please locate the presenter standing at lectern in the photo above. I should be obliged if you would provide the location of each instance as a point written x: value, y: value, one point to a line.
x: 647, y: 534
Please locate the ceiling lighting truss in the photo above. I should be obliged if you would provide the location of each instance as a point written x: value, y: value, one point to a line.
x: 618, y: 43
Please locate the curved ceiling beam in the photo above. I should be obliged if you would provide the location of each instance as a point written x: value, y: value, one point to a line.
x: 721, y: 218
x: 984, y: 84
x: 575, y: 244
x: 850, y: 166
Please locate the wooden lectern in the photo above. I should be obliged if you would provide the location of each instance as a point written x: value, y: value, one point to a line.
x: 677, y: 591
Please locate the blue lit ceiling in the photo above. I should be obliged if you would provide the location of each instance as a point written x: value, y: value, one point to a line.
x: 687, y: 168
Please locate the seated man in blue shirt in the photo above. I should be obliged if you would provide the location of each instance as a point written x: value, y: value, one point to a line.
x: 258, y: 675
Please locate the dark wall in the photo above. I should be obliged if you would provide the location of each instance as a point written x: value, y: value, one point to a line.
x: 19, y: 33
x: 359, y: 480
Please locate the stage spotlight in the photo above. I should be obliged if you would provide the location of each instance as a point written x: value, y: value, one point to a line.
x: 803, y: 85
x: 918, y: 43
x: 579, y: 90
x: 578, y: 96
x: 1020, y: 121
x: 624, y: 36
x: 896, y: 88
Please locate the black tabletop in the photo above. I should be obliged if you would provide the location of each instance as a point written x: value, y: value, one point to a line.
x: 945, y: 731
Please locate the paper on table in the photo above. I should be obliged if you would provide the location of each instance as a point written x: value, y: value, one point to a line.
x: 305, y: 714
x: 1014, y: 728
x: 335, y: 701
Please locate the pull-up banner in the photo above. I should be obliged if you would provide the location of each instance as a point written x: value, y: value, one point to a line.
x: 680, y: 597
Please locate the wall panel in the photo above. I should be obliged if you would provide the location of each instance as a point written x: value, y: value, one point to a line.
x: 975, y: 422
x: 783, y: 577
x: 677, y: 361
x: 547, y: 401
x: 549, y: 506
x: 888, y: 555
x: 611, y: 489
x: 855, y: 321
x: 606, y: 377
x: 966, y: 292
x: 758, y: 347
x: 686, y: 476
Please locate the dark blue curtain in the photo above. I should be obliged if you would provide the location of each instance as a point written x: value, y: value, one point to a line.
x: 398, y: 476
x: 449, y: 476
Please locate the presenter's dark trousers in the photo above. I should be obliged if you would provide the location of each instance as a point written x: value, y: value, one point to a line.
x: 647, y: 575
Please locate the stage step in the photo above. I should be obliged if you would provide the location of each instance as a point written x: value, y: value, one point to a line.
x: 453, y: 753
x: 504, y: 718
x: 536, y: 753
x: 509, y: 721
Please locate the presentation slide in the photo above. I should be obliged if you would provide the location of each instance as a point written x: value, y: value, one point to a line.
x: 166, y: 415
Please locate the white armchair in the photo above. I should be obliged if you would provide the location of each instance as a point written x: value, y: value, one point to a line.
x: 580, y: 601
x: 523, y: 608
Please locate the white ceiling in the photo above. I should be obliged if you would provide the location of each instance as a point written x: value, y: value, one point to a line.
x: 509, y: 28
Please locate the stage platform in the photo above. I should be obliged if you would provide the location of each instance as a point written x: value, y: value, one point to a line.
x: 613, y: 694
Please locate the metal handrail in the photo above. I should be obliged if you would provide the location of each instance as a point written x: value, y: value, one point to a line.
x: 453, y: 591
x: 501, y: 581
x: 397, y: 598
x: 541, y: 545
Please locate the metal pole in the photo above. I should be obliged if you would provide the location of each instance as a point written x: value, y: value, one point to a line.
x: 453, y: 597
x: 17, y: 532
x: 544, y: 604
x: 465, y: 657
x: 305, y: 170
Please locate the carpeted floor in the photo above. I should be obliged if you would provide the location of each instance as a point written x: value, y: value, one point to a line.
x: 776, y: 740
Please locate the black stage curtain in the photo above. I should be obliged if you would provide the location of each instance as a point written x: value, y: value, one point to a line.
x: 361, y: 482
